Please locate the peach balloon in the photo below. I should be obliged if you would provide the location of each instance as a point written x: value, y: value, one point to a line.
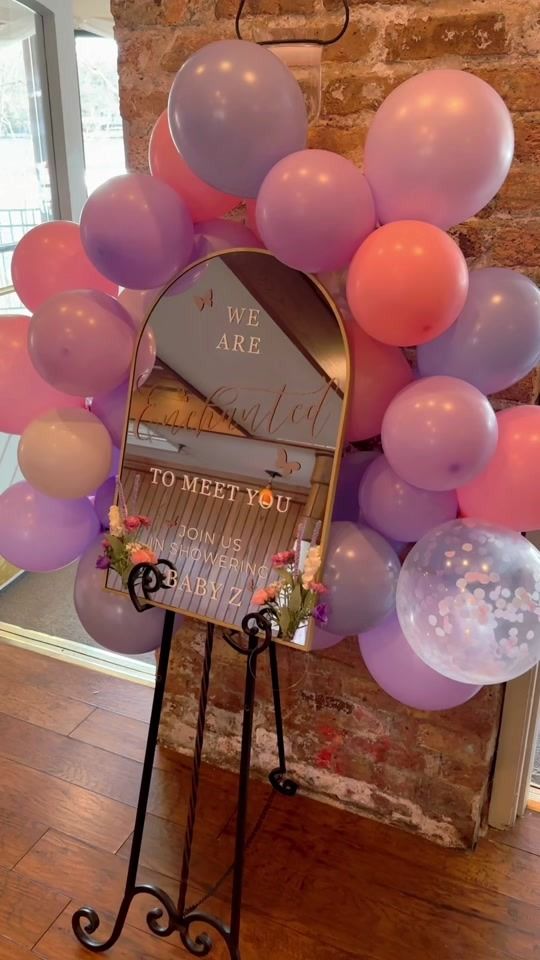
x: 167, y: 164
x: 24, y: 395
x: 50, y: 259
x: 378, y: 373
x: 407, y: 283
x: 506, y: 491
x: 65, y: 453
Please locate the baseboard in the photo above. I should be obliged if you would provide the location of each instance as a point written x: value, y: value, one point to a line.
x: 93, y: 658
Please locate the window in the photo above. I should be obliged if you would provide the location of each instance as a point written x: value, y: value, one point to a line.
x: 101, y: 120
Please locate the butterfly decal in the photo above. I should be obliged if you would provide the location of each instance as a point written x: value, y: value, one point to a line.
x: 207, y: 300
x: 283, y: 465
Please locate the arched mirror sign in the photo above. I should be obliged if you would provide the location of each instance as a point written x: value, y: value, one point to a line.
x: 233, y: 443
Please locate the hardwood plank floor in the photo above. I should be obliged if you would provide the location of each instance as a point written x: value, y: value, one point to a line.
x: 321, y: 884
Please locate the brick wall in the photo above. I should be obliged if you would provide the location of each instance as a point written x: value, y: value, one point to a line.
x: 349, y: 743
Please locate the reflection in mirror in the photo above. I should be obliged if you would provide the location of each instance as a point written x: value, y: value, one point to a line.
x: 233, y: 443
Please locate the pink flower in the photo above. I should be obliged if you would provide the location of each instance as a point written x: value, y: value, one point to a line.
x: 143, y: 555
x: 318, y: 587
x: 260, y: 597
x: 135, y: 522
x: 145, y: 521
x: 282, y: 559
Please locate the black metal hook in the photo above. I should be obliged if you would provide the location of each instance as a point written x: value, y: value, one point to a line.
x: 313, y: 40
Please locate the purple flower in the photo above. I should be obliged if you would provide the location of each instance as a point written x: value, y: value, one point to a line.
x: 103, y: 563
x: 320, y: 612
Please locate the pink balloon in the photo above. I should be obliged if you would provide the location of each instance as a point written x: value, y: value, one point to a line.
x: 50, y: 259
x: 251, y: 217
x: 439, y: 433
x: 138, y: 303
x: 392, y: 662
x: 24, y: 395
x: 81, y: 341
x: 438, y: 149
x: 314, y: 209
x: 379, y: 372
x: 167, y: 164
x: 146, y: 357
x: 506, y: 491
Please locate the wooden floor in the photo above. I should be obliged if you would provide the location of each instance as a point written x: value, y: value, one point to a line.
x: 320, y: 885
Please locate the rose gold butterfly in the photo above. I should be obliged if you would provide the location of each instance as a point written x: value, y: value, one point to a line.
x: 283, y: 465
x: 207, y: 300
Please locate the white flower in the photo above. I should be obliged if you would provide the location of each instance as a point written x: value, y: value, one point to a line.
x: 116, y: 526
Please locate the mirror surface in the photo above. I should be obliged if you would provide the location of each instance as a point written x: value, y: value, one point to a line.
x: 233, y: 442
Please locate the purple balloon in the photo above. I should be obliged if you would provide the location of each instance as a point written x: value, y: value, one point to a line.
x: 234, y: 110
x: 314, y: 209
x: 392, y: 662
x: 397, y: 509
x: 323, y: 640
x: 213, y: 236
x: 109, y: 617
x: 361, y: 572
x: 352, y: 469
x: 438, y: 149
x: 103, y: 500
x: 39, y: 533
x: 137, y: 231
x: 495, y: 341
x: 438, y: 433
x: 111, y: 409
x: 81, y: 342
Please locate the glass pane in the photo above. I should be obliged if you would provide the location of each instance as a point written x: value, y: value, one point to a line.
x: 102, y: 123
x: 25, y: 188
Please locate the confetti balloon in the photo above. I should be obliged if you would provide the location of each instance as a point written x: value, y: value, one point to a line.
x: 468, y: 602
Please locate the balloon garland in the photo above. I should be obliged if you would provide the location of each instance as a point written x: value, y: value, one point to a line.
x: 444, y: 603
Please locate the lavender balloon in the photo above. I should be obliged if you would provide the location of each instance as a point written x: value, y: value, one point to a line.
x: 213, y: 236
x: 496, y: 339
x: 314, y: 209
x: 234, y: 110
x: 438, y: 433
x: 352, y: 469
x: 111, y: 409
x: 323, y: 640
x: 137, y: 231
x: 39, y: 533
x: 109, y: 617
x: 361, y: 572
x: 438, y: 149
x: 397, y: 509
x: 404, y: 676
x: 468, y: 602
x: 81, y: 342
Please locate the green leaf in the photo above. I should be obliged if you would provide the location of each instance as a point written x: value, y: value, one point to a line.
x: 284, y: 620
x: 295, y: 601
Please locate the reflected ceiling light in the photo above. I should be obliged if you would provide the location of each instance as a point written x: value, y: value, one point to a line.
x: 303, y: 57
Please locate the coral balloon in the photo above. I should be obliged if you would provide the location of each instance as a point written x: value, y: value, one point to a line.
x: 65, y: 453
x: 438, y: 149
x: 314, y: 209
x: 49, y: 259
x: 439, y: 433
x: 111, y: 408
x: 467, y: 602
x: 496, y: 339
x: 506, y: 491
x: 137, y: 231
x: 109, y: 617
x: 39, y: 533
x: 166, y: 163
x: 392, y: 662
x: 379, y: 372
x: 234, y: 110
x: 24, y: 395
x: 397, y: 509
x: 81, y: 342
x: 361, y: 572
x: 407, y: 283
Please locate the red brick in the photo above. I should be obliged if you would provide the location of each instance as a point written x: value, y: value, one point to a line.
x: 466, y: 35
x: 520, y: 194
x: 354, y: 46
x: 517, y: 82
x: 527, y: 131
x: 346, y: 94
x: 349, y: 141
x: 227, y: 8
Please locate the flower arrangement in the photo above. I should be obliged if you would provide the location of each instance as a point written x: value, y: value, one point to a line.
x: 296, y: 594
x: 121, y: 548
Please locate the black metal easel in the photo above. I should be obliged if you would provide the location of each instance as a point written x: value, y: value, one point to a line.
x: 180, y: 918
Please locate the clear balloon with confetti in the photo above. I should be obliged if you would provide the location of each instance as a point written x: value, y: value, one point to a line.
x: 468, y: 601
